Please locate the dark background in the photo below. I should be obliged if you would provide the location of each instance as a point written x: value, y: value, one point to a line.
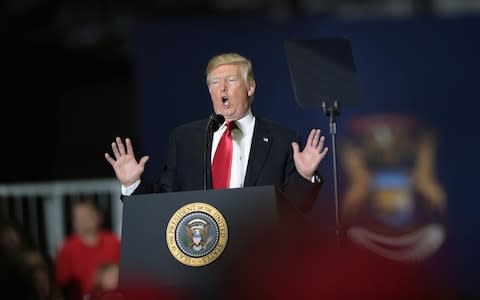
x: 79, y: 73
x: 69, y: 66
x: 424, y: 67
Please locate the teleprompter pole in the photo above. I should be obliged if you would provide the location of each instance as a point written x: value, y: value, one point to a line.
x: 332, y: 111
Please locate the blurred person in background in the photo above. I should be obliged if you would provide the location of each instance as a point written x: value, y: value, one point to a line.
x: 15, y: 279
x: 105, y: 286
x: 84, y: 251
x: 106, y: 277
x: 25, y: 273
x: 13, y: 238
x: 40, y: 268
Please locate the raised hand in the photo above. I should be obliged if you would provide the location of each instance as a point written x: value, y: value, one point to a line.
x: 307, y: 161
x: 126, y: 167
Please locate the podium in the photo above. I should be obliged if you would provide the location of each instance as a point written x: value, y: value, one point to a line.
x: 169, y: 239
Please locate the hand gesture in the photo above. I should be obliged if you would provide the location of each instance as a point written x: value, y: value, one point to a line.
x: 125, y: 165
x: 307, y: 161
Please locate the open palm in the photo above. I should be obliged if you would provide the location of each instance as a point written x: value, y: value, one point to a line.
x: 307, y: 161
x: 126, y: 167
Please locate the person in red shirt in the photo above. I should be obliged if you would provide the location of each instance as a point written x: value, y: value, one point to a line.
x: 85, y: 251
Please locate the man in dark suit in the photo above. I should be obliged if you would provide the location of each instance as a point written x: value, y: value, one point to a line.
x: 244, y: 151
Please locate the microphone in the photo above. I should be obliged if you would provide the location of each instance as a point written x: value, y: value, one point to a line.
x: 214, y: 122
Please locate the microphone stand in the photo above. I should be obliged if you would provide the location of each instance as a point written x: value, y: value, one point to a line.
x: 332, y: 111
x: 205, y: 151
x: 214, y: 122
x: 205, y: 157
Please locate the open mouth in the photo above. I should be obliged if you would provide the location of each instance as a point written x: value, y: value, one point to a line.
x: 225, y: 101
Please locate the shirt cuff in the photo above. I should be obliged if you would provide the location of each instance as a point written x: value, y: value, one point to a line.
x: 127, y: 191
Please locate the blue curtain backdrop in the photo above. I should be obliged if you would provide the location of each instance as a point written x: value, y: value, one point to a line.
x: 425, y: 67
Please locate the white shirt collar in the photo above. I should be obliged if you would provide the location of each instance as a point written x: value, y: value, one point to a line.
x: 244, y: 123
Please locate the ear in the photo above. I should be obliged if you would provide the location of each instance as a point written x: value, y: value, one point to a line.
x: 251, y: 89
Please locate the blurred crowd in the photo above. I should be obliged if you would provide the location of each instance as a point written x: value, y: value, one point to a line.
x: 86, y: 264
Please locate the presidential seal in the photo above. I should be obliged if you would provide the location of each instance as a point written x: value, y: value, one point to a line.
x: 197, y: 234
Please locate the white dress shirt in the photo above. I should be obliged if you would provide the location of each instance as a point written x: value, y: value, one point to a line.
x: 241, y: 141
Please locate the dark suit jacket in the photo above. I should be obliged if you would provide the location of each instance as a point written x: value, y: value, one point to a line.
x: 270, y: 162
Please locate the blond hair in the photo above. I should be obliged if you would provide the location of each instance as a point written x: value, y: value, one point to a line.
x: 231, y: 59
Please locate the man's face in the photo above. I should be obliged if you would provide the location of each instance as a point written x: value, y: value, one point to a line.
x: 86, y: 219
x: 230, y: 91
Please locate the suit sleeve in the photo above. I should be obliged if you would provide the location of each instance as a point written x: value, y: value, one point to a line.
x: 167, y: 182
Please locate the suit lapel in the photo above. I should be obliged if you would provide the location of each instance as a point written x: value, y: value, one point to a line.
x: 261, y: 142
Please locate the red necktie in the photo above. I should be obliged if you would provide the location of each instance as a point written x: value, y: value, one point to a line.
x: 222, y: 161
